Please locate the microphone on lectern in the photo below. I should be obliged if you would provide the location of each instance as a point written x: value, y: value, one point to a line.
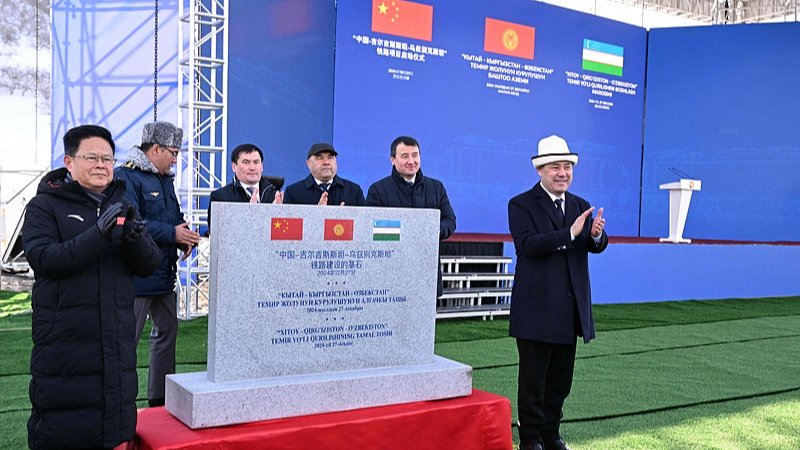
x: 680, y: 173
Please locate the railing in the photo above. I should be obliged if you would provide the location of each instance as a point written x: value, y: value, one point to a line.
x: 475, y: 293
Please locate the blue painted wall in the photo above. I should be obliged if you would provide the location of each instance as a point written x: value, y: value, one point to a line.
x: 627, y: 273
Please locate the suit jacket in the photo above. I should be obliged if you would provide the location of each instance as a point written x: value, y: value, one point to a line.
x: 307, y: 192
x: 551, y: 280
x: 235, y: 193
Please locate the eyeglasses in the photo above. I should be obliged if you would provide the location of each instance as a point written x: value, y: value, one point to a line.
x: 91, y: 158
x: 175, y: 152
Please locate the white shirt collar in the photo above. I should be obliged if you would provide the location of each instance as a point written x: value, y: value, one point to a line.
x: 553, y: 197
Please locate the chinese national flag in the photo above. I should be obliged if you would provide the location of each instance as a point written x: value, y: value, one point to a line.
x: 508, y: 38
x: 286, y: 229
x: 338, y: 230
x: 401, y: 18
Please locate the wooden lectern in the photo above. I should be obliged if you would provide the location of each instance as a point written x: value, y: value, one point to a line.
x: 680, y: 194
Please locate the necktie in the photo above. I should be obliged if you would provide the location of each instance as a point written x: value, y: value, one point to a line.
x: 324, y: 186
x: 250, y: 191
x: 560, y: 209
x: 410, y: 183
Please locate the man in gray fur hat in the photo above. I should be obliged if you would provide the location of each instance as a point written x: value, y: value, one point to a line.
x: 150, y: 187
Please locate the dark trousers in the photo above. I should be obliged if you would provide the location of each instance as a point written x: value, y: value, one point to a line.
x: 545, y: 379
x: 162, y: 309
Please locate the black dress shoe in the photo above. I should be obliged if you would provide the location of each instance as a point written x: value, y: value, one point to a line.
x: 155, y: 402
x: 558, y: 444
x: 536, y: 446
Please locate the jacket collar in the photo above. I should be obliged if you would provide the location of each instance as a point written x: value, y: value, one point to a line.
x: 547, y: 204
x: 402, y: 181
x: 264, y: 186
x: 139, y: 159
x: 59, y: 182
x: 311, y: 183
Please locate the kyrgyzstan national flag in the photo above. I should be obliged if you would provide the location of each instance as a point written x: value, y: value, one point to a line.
x: 508, y: 38
x: 338, y: 229
x: 401, y: 18
x: 286, y: 229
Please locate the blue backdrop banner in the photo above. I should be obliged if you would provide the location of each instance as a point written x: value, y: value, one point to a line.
x: 478, y: 84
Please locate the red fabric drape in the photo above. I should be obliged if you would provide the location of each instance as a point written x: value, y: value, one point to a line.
x: 479, y: 421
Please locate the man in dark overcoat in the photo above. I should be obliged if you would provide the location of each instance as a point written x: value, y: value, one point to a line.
x: 249, y: 185
x: 323, y: 186
x: 551, y: 302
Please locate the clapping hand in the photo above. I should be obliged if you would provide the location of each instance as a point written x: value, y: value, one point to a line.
x: 598, y: 224
x: 577, y: 226
x: 132, y: 228
x: 108, y: 220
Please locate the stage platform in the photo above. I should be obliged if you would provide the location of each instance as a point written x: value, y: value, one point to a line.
x: 634, y: 269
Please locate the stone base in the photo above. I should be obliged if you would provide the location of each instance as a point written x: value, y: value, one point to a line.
x: 201, y: 403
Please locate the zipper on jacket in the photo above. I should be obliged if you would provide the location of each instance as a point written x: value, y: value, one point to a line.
x: 98, y: 211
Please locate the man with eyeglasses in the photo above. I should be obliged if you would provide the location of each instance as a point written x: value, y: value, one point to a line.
x: 85, y: 242
x: 150, y: 187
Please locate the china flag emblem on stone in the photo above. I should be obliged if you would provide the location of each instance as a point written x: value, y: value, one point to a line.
x: 286, y: 229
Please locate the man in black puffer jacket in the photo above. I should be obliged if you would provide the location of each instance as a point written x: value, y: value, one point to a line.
x: 406, y: 187
x: 85, y: 243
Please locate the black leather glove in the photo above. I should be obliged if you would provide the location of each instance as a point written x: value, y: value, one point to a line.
x: 108, y: 220
x: 132, y: 228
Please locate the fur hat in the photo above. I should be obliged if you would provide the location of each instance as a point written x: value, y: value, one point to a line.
x: 164, y: 134
x: 552, y: 149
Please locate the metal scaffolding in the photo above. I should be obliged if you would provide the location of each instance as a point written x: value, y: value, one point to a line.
x: 203, y: 102
x: 723, y: 11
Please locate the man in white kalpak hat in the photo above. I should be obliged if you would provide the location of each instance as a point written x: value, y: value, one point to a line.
x: 553, y: 232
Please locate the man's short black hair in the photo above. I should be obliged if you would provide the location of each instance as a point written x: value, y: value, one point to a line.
x: 405, y: 140
x: 245, y: 148
x: 74, y: 136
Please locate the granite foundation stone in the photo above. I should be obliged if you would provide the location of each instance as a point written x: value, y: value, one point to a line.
x: 317, y: 309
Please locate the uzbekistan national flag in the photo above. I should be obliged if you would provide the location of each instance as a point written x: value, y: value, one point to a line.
x: 508, y: 38
x: 402, y: 18
x: 386, y: 230
x: 286, y: 229
x: 602, y: 57
x: 338, y: 230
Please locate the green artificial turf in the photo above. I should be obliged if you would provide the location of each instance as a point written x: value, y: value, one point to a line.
x: 12, y: 303
x: 759, y: 423
x: 503, y: 351
x: 625, y: 316
x: 632, y: 371
x: 13, y: 431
